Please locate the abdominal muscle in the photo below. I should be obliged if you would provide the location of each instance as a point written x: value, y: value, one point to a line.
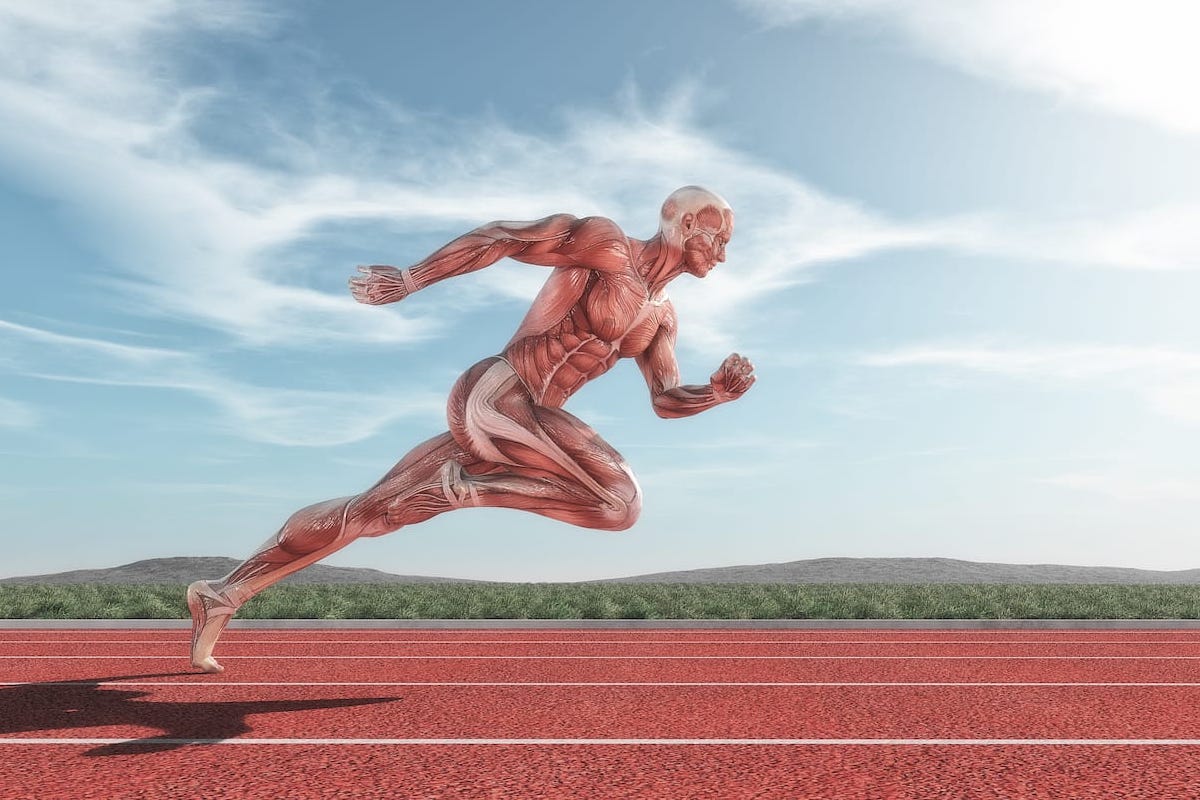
x: 554, y: 366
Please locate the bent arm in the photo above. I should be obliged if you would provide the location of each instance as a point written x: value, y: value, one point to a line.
x: 732, y: 379
x: 560, y: 240
x: 661, y: 371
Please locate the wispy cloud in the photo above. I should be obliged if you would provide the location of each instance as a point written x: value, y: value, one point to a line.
x: 1136, y: 59
x: 226, y: 239
x: 207, y: 237
x: 258, y: 413
x: 1063, y: 362
x: 910, y: 455
x: 1161, y: 238
x: 16, y: 415
x: 757, y: 444
x: 1168, y: 379
x: 1133, y: 488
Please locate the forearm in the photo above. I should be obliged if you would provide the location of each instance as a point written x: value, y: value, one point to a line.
x: 382, y: 284
x: 467, y: 253
x: 684, y: 401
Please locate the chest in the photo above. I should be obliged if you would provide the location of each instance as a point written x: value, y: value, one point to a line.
x: 619, y: 313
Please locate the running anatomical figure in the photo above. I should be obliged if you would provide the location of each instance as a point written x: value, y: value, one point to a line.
x: 510, y: 444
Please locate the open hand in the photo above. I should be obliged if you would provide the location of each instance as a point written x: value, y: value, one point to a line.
x: 733, y: 378
x: 379, y: 284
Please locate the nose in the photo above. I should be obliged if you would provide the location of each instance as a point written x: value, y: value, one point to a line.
x: 721, y: 254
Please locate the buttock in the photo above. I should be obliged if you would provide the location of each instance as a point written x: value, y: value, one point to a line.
x: 490, y: 408
x: 489, y: 400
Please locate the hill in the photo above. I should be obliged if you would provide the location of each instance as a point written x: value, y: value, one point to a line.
x: 819, y: 570
x: 185, y: 570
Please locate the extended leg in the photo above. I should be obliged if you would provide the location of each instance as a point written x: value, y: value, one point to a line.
x: 310, y: 535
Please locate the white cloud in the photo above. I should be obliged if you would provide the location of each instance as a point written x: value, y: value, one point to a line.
x: 202, y: 236
x: 1131, y: 488
x: 16, y: 415
x: 1177, y: 398
x: 1168, y: 379
x: 253, y: 412
x: 207, y: 238
x: 1161, y: 238
x: 1058, y: 362
x: 1138, y: 59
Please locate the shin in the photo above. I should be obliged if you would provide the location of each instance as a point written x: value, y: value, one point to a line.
x: 308, y: 536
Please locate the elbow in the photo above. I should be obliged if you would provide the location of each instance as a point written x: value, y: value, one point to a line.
x: 663, y: 410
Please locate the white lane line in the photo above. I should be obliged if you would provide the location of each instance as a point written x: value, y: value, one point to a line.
x: 621, y: 742
x: 310, y: 684
x: 228, y: 639
x: 337, y: 657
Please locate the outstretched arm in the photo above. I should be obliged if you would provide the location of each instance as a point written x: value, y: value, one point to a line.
x: 557, y: 241
x: 732, y: 379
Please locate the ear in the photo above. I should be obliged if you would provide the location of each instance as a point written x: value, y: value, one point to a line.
x: 687, y: 222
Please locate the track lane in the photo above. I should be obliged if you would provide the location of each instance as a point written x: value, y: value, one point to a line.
x: 602, y: 712
x: 490, y: 649
x: 846, y: 772
x: 611, y: 773
x: 612, y: 670
x: 584, y: 634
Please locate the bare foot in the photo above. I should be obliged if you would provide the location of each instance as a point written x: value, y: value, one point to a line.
x: 210, y: 610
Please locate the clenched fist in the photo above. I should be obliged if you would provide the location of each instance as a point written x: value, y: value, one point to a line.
x: 733, y: 378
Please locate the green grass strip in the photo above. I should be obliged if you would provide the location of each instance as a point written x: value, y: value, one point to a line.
x: 623, y: 601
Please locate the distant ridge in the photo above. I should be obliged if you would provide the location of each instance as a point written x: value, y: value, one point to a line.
x: 186, y: 570
x: 819, y: 570
x: 914, y: 570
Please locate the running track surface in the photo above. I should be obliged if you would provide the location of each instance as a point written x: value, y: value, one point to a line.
x: 602, y: 714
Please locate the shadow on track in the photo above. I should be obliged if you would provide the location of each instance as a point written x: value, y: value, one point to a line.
x: 77, y: 705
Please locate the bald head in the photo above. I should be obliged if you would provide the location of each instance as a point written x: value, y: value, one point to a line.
x: 692, y: 207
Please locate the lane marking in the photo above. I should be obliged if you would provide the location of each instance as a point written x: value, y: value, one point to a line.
x: 310, y: 684
x: 435, y: 657
x: 621, y: 742
x: 720, y: 642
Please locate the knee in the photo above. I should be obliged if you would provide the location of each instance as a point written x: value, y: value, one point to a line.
x: 621, y: 510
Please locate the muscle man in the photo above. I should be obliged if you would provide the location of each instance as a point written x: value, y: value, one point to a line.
x: 510, y: 443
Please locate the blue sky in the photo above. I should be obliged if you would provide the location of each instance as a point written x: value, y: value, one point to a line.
x: 965, y: 266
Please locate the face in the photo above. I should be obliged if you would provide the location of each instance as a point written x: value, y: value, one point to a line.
x: 704, y: 244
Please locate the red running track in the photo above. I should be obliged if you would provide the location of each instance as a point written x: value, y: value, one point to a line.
x: 603, y: 714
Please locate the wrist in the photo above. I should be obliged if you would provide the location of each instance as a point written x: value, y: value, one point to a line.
x: 409, y: 280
